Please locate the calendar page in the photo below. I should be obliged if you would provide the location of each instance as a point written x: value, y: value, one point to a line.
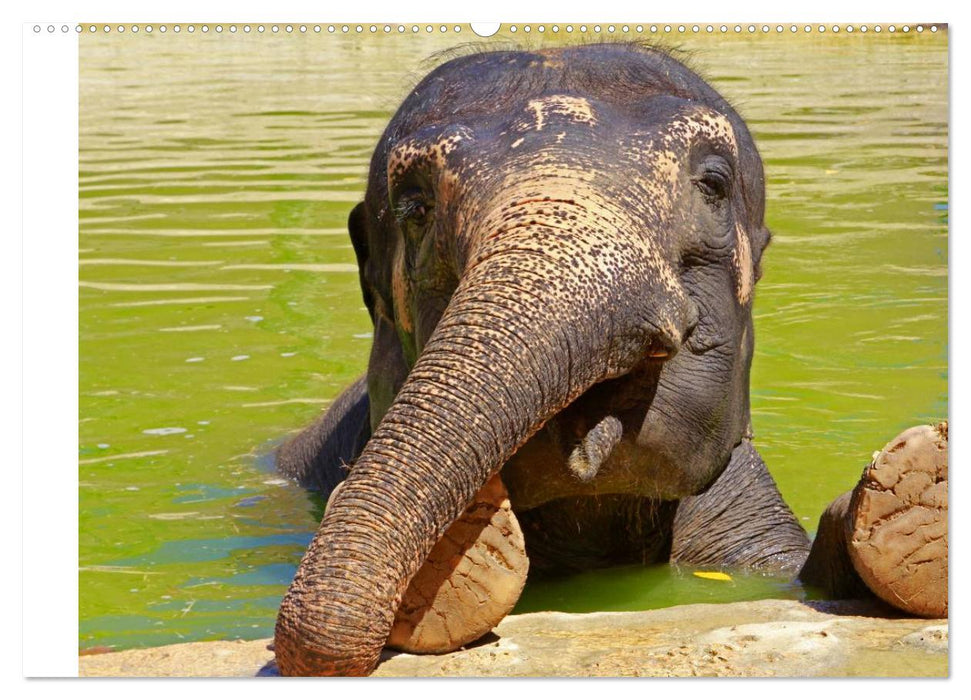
x: 525, y: 349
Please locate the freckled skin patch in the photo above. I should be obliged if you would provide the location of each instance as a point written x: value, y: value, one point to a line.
x: 537, y: 208
x: 705, y: 122
x: 576, y: 109
x: 742, y: 262
x: 407, y: 153
x: 660, y: 155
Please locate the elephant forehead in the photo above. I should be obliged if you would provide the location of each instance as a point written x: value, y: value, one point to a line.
x: 701, y: 122
x: 673, y: 135
x: 576, y: 109
x: 434, y: 150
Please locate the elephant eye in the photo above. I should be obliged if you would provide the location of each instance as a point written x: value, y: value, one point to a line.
x: 413, y: 207
x: 715, y: 179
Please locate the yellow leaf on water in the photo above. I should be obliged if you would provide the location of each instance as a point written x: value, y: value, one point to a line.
x: 713, y: 575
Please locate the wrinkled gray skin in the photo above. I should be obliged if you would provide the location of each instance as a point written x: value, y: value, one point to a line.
x: 558, y: 250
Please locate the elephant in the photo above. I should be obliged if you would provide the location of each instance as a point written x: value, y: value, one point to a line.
x: 558, y: 250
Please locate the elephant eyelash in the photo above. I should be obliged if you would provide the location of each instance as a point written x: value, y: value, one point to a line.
x: 715, y: 181
x: 411, y: 208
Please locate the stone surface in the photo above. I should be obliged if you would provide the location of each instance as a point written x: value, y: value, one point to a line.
x: 777, y: 638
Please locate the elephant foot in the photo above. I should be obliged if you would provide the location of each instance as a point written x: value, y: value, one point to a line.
x: 470, y: 581
x: 829, y: 567
x: 896, y: 524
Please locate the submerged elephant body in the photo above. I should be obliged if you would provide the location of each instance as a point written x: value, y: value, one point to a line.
x: 558, y: 250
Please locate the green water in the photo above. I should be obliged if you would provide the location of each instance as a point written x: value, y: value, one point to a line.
x: 219, y: 307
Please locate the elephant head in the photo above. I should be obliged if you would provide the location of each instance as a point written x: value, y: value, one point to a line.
x: 558, y: 250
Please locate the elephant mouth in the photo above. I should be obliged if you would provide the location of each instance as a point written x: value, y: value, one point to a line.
x: 624, y: 400
x: 594, y: 446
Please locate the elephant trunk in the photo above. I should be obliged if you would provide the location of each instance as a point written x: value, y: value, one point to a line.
x: 538, y: 318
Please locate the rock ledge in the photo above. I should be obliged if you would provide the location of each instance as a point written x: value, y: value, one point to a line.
x: 777, y: 638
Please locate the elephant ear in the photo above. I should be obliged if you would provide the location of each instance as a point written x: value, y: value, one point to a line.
x: 760, y: 241
x: 387, y: 366
x: 357, y: 227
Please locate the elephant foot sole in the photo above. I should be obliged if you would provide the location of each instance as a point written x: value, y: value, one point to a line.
x: 896, y: 525
x: 470, y: 581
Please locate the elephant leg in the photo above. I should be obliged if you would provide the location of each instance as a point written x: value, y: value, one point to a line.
x: 739, y: 521
x: 318, y: 456
x: 470, y: 581
x: 889, y: 534
x: 829, y: 567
